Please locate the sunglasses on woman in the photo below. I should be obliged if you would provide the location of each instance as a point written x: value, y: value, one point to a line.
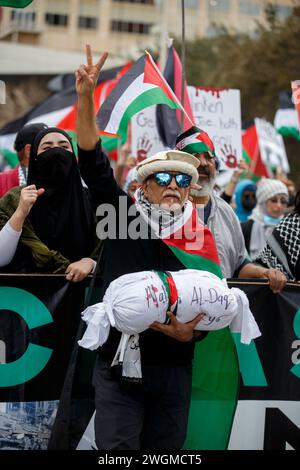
x: 164, y: 178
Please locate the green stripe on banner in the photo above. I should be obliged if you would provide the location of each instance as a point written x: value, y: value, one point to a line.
x: 196, y: 262
x: 15, y: 3
x: 148, y: 98
x: 250, y: 366
x: 215, y: 378
x: 214, y: 393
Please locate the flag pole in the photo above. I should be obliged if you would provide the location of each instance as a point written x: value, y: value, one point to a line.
x: 182, y: 60
x: 169, y: 88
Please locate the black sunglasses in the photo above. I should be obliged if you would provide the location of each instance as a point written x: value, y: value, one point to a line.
x: 163, y: 178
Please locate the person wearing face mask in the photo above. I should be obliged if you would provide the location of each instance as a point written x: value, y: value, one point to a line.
x: 245, y: 200
x: 272, y: 200
x: 58, y: 235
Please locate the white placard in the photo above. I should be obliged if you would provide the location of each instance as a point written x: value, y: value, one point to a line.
x: 271, y: 145
x: 145, y: 140
x: 218, y: 112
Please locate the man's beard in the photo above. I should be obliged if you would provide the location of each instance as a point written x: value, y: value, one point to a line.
x: 207, y: 187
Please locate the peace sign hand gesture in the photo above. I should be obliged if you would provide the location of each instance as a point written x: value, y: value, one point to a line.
x: 87, y: 75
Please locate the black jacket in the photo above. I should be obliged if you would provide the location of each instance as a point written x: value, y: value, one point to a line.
x: 123, y: 256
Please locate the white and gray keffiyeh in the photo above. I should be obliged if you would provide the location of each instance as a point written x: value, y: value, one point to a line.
x: 159, y: 219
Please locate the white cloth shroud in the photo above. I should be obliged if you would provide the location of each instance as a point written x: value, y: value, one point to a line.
x: 134, y: 301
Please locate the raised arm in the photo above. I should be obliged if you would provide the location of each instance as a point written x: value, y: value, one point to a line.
x: 93, y: 164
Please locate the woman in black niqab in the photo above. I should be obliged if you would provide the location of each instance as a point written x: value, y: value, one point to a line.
x: 62, y: 217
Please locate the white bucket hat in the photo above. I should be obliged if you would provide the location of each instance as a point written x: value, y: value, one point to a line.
x: 169, y: 160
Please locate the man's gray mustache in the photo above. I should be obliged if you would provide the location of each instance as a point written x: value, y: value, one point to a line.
x: 172, y: 194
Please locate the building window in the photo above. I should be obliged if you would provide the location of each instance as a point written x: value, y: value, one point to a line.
x: 248, y: 7
x: 87, y: 22
x: 22, y: 19
x: 218, y: 5
x: 55, y: 19
x: 129, y: 27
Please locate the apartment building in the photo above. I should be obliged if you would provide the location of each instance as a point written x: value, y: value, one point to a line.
x: 122, y: 25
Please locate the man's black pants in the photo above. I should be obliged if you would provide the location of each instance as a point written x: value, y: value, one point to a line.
x: 154, y: 417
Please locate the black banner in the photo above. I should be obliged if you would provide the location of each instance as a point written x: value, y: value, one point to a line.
x: 268, y: 412
x: 39, y: 318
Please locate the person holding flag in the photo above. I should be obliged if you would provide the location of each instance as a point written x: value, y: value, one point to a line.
x: 151, y: 413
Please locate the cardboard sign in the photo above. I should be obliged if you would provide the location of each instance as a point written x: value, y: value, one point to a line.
x: 218, y: 112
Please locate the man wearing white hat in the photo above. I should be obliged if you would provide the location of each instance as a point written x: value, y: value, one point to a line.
x: 152, y: 412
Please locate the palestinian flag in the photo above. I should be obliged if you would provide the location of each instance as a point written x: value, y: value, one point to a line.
x: 251, y: 152
x: 15, y: 3
x: 142, y: 86
x: 287, y: 118
x: 196, y: 142
x: 215, y: 365
x: 169, y: 120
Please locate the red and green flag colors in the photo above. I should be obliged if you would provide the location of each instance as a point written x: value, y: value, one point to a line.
x: 142, y: 86
x: 215, y: 365
x: 196, y: 142
x: 15, y: 3
x: 251, y: 152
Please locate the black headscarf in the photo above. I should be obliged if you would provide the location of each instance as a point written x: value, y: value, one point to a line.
x: 62, y: 217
